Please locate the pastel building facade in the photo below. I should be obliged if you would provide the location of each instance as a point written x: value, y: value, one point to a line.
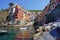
x: 22, y: 14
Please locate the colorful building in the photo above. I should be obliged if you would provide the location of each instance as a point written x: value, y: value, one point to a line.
x: 54, y: 3
x: 22, y: 14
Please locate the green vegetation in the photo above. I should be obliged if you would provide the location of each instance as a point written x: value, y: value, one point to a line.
x: 3, y: 14
x: 11, y: 4
x: 35, y: 10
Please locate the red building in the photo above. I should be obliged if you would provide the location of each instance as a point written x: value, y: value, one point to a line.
x: 21, y: 13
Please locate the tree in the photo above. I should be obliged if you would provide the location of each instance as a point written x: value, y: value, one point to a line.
x: 3, y: 10
x: 11, y: 4
x: 6, y: 10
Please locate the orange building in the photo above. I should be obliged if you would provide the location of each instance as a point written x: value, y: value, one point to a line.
x: 21, y: 14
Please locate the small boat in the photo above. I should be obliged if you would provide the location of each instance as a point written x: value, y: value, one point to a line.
x: 3, y: 31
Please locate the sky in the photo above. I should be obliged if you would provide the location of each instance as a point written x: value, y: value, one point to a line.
x: 27, y: 4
